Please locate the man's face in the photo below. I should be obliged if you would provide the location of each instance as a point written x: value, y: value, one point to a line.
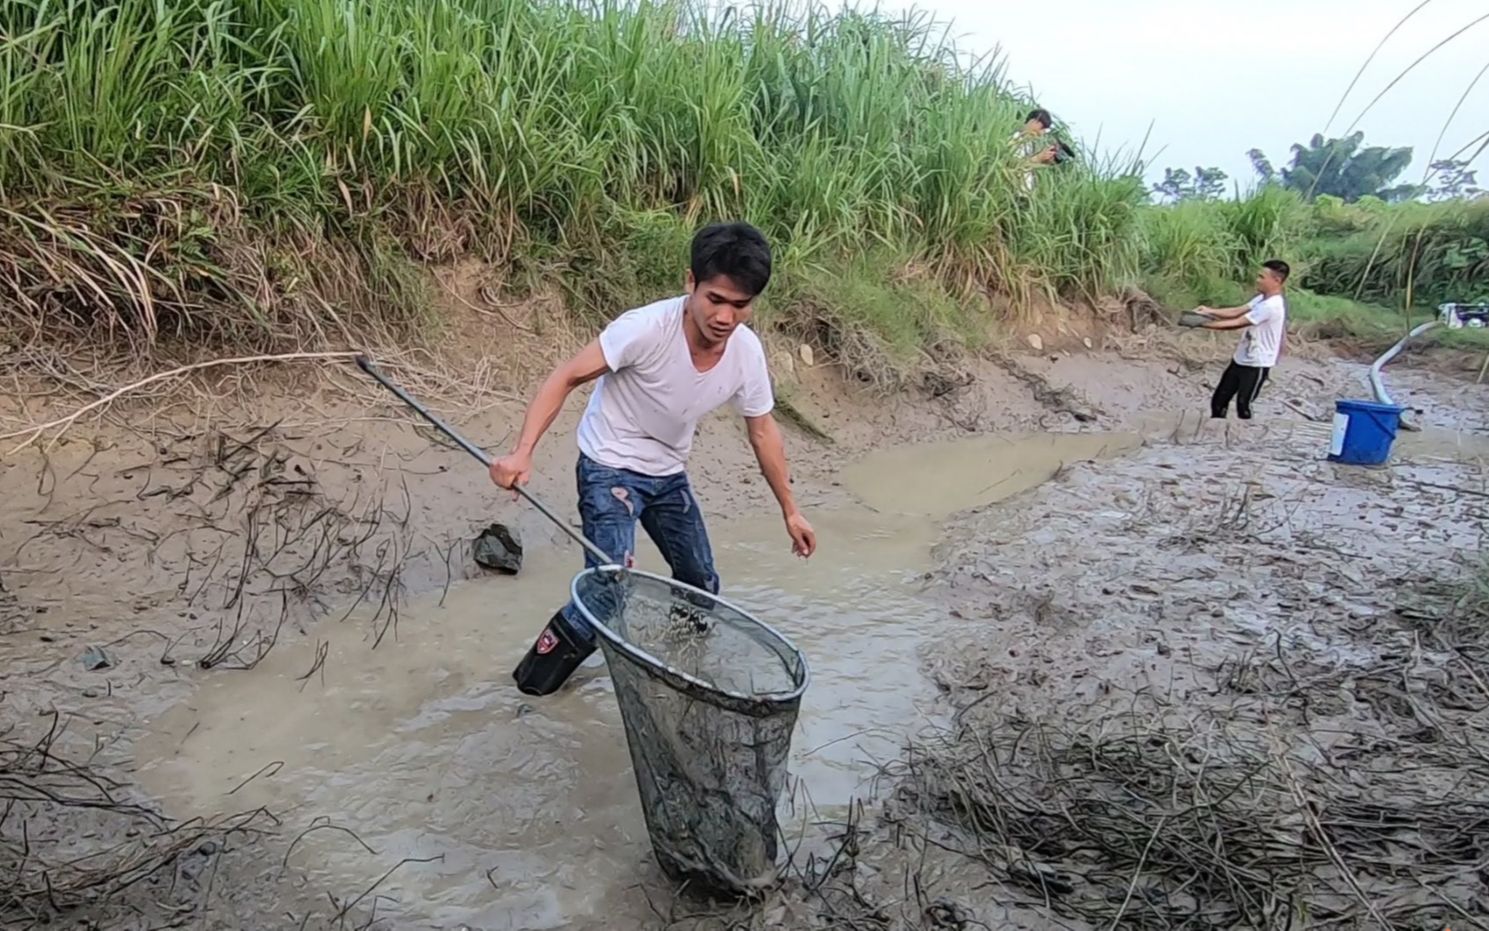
x: 717, y: 307
x: 1035, y: 128
x: 1267, y: 281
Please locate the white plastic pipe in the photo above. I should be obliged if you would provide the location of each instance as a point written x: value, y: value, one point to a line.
x: 1378, y: 386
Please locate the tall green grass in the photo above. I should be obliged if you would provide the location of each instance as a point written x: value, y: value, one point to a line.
x: 1402, y: 253
x: 267, y: 171
x: 578, y: 141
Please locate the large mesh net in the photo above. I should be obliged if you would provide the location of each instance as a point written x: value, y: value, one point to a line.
x: 709, y: 697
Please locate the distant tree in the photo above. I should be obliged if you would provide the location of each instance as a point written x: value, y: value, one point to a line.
x: 1262, y: 165
x: 1454, y: 180
x: 1209, y: 183
x: 1341, y: 168
x: 1179, y: 185
x: 1176, y: 181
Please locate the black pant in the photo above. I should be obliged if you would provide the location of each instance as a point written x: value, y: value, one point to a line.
x: 1242, y: 382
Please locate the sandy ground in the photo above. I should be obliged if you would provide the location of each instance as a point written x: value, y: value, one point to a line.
x: 188, y: 546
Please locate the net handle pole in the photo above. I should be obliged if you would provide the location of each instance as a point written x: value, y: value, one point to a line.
x: 366, y: 365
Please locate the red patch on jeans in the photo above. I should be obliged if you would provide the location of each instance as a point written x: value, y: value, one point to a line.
x: 546, y: 642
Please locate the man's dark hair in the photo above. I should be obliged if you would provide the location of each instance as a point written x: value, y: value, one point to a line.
x: 1042, y: 115
x: 1278, y: 267
x: 737, y: 251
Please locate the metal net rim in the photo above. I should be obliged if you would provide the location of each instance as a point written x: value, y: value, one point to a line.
x: 655, y: 666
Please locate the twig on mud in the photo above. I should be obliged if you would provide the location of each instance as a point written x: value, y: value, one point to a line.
x: 1457, y: 909
x: 392, y: 589
x: 268, y: 769
x: 448, y: 553
x: 321, y: 823
x: 68, y: 799
x: 1306, y: 806
x: 1456, y: 489
x: 1296, y: 408
x: 62, y: 424
x: 322, y: 650
x: 1137, y: 873
x: 222, y: 655
x: 346, y: 909
x: 1199, y: 825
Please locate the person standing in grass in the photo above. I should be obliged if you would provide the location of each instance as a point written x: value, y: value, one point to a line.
x: 1030, y: 145
x: 1264, y: 322
x: 661, y: 368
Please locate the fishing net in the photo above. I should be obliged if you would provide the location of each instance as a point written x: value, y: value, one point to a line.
x: 709, y: 697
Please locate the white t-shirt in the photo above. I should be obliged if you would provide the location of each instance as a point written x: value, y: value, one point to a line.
x: 643, y: 412
x: 1262, y: 341
x: 1027, y: 147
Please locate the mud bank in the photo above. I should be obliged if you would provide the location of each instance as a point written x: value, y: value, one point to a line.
x: 306, y: 667
x: 1218, y: 683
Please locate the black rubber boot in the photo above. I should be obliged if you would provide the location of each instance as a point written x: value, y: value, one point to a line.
x: 551, y: 659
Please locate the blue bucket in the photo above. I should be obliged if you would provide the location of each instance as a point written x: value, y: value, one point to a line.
x: 1363, y: 432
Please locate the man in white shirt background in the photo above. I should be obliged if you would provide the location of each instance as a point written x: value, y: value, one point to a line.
x: 1032, y: 146
x: 661, y: 368
x: 1264, y: 320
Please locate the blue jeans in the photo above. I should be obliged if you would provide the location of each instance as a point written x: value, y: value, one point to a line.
x: 611, y: 501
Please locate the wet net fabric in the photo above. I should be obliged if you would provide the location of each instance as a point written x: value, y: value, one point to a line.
x: 709, y: 698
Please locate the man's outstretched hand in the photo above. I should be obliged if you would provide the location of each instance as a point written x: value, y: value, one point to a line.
x: 803, y: 537
x: 511, y: 471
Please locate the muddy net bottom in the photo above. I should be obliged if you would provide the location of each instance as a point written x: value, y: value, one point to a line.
x: 709, y: 697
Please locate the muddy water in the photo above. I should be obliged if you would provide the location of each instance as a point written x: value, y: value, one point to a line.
x: 937, y: 480
x: 424, y: 749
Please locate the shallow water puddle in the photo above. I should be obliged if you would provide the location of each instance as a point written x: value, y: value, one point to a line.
x: 1451, y: 445
x: 424, y: 748
x: 937, y: 480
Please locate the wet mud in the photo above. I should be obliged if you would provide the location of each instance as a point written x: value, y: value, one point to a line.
x: 1016, y: 575
x: 424, y: 749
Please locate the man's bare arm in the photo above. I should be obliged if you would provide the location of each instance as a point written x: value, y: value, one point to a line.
x: 587, y: 365
x: 1232, y: 323
x: 1225, y: 313
x: 770, y: 452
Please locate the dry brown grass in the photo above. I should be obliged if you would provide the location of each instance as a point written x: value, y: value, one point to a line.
x: 151, y: 271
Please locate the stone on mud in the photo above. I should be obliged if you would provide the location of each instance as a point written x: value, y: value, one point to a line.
x: 499, y: 547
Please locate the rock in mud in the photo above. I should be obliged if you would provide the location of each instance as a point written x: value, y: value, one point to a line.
x: 1041, y: 878
x: 499, y: 547
x: 944, y: 913
x: 94, y: 659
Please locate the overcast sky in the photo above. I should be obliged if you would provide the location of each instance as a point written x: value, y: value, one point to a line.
x: 1214, y: 78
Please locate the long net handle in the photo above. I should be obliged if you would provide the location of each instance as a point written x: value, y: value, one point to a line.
x: 365, y: 364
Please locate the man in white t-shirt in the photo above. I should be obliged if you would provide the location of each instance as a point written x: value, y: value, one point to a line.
x: 1264, y: 321
x: 1031, y: 145
x: 661, y: 368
